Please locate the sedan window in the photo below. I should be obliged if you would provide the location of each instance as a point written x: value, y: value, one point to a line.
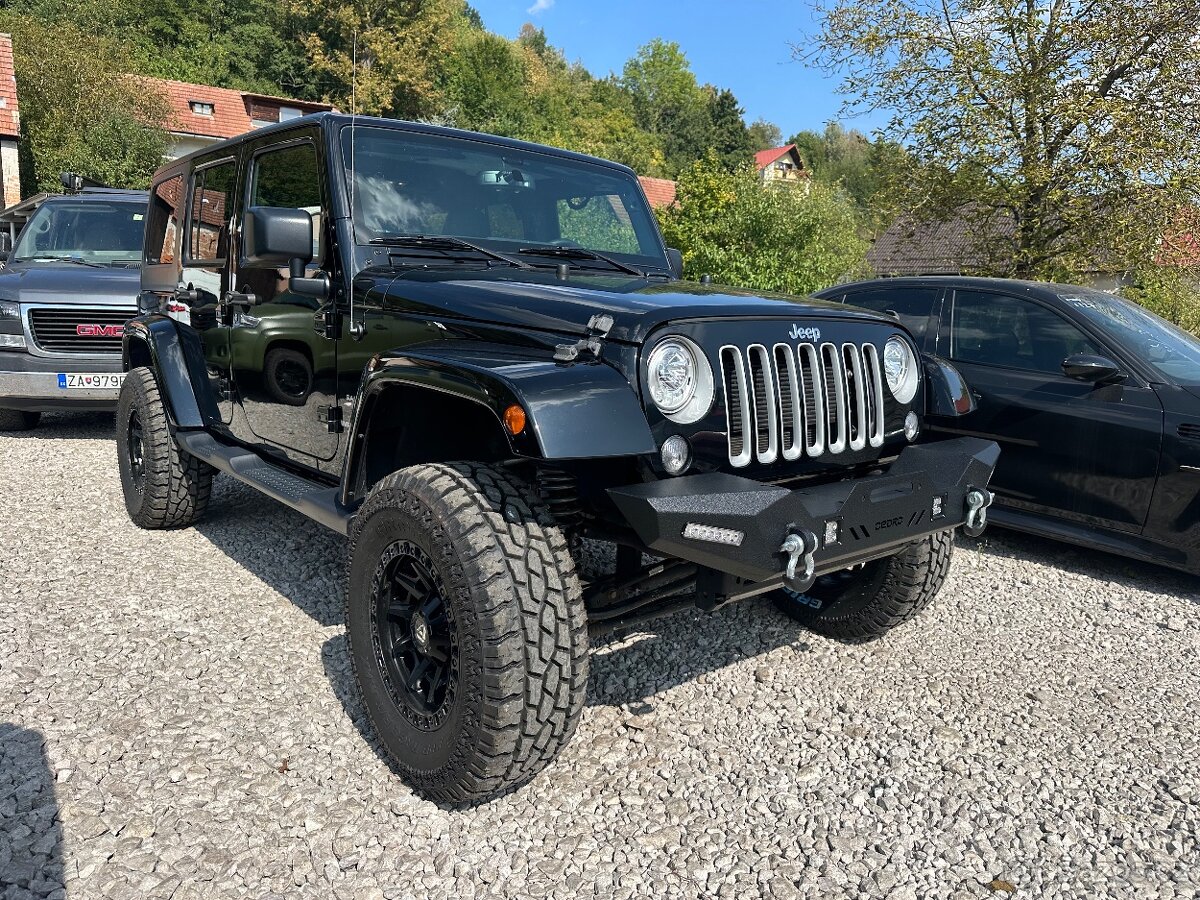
x: 911, y: 305
x: 999, y: 330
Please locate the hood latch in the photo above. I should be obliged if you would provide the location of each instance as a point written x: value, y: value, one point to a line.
x: 598, y: 327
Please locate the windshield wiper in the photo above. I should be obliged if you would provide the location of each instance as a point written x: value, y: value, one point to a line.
x: 445, y: 242
x: 581, y: 253
x: 78, y: 260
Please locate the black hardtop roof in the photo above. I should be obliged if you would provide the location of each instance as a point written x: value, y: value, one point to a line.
x: 331, y: 120
x: 1043, y: 289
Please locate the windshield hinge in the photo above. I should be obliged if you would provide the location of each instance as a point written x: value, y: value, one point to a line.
x: 598, y: 327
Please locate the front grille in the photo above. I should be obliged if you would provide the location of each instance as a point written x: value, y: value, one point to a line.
x: 804, y: 401
x: 79, y: 330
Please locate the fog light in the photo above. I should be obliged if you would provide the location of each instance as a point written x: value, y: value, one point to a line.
x: 831, y: 532
x: 676, y: 454
x: 912, y: 425
x: 713, y: 534
x: 12, y: 341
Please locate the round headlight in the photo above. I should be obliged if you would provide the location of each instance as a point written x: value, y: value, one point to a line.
x: 680, y: 380
x: 900, y: 369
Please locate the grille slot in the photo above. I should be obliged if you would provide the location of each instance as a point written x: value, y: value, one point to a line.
x: 806, y: 400
x: 56, y: 330
x: 737, y: 405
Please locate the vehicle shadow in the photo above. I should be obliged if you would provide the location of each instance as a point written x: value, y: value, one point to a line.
x: 31, y: 842
x: 69, y: 426
x: 292, y: 554
x: 1116, y: 570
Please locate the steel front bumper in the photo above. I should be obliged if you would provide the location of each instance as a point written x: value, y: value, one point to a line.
x: 739, y: 527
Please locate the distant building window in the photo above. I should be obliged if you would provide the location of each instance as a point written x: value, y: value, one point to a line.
x: 289, y: 112
x: 200, y: 108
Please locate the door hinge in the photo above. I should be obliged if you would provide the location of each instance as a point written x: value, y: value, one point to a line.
x: 332, y: 417
x: 331, y: 323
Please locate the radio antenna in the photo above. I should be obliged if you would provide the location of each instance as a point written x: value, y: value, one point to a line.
x: 353, y: 120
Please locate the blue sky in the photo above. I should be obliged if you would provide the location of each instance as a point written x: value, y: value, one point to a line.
x: 739, y: 44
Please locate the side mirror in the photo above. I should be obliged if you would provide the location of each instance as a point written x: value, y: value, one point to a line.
x: 675, y: 260
x: 3, y: 256
x: 1096, y: 369
x: 272, y: 237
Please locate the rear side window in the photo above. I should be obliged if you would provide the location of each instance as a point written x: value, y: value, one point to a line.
x: 164, y: 221
x: 911, y: 305
x: 601, y: 222
x: 212, y: 204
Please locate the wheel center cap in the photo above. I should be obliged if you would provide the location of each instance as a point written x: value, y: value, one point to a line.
x: 420, y: 632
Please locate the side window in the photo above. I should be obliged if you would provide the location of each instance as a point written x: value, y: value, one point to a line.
x: 999, y: 330
x: 290, y: 178
x: 911, y: 305
x: 601, y: 223
x: 164, y: 220
x: 212, y: 196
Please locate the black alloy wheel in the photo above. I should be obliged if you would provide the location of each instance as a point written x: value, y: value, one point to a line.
x: 136, y: 449
x: 414, y: 634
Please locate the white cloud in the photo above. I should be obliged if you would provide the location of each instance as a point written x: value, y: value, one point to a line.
x: 539, y: 6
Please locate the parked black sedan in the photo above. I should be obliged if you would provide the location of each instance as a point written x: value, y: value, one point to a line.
x: 1094, y: 401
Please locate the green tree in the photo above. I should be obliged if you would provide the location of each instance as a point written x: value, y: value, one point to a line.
x: 1076, y: 121
x: 765, y: 135
x: 865, y: 169
x: 668, y: 102
x: 79, y: 111
x: 384, y: 57
x: 730, y: 137
x: 248, y: 44
x: 765, y: 237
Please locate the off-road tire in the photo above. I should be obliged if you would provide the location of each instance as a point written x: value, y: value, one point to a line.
x: 503, y: 567
x: 275, y: 360
x: 865, y: 603
x: 18, y: 419
x: 173, y: 489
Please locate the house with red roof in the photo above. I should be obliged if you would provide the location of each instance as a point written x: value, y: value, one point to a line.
x: 660, y: 192
x: 201, y: 115
x: 781, y: 165
x: 10, y: 126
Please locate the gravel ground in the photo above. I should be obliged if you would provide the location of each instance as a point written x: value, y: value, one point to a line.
x: 177, y: 719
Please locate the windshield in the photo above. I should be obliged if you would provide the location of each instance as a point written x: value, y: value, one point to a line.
x: 506, y: 200
x: 93, y: 231
x: 1170, y: 350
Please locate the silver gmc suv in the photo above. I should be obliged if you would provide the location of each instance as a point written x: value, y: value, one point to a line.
x: 69, y: 286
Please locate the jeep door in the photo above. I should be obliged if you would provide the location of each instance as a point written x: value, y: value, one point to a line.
x: 284, y: 368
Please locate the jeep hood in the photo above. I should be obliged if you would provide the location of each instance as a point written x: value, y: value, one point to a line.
x: 70, y: 283
x: 538, y: 300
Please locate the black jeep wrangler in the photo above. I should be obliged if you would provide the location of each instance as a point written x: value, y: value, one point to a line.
x: 472, y: 355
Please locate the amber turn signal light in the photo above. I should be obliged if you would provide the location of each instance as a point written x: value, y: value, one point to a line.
x: 514, y: 419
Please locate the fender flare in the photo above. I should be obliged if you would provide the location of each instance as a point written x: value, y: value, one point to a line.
x: 573, y: 411
x: 176, y: 356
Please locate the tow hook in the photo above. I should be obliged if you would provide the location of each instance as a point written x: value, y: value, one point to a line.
x: 800, y: 545
x: 978, y: 501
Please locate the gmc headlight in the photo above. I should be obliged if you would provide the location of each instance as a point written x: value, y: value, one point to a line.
x: 680, y: 380
x: 9, y: 311
x: 900, y: 369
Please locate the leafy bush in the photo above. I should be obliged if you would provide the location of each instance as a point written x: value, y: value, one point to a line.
x: 794, y: 239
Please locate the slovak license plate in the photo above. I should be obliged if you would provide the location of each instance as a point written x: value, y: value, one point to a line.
x: 90, y: 381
